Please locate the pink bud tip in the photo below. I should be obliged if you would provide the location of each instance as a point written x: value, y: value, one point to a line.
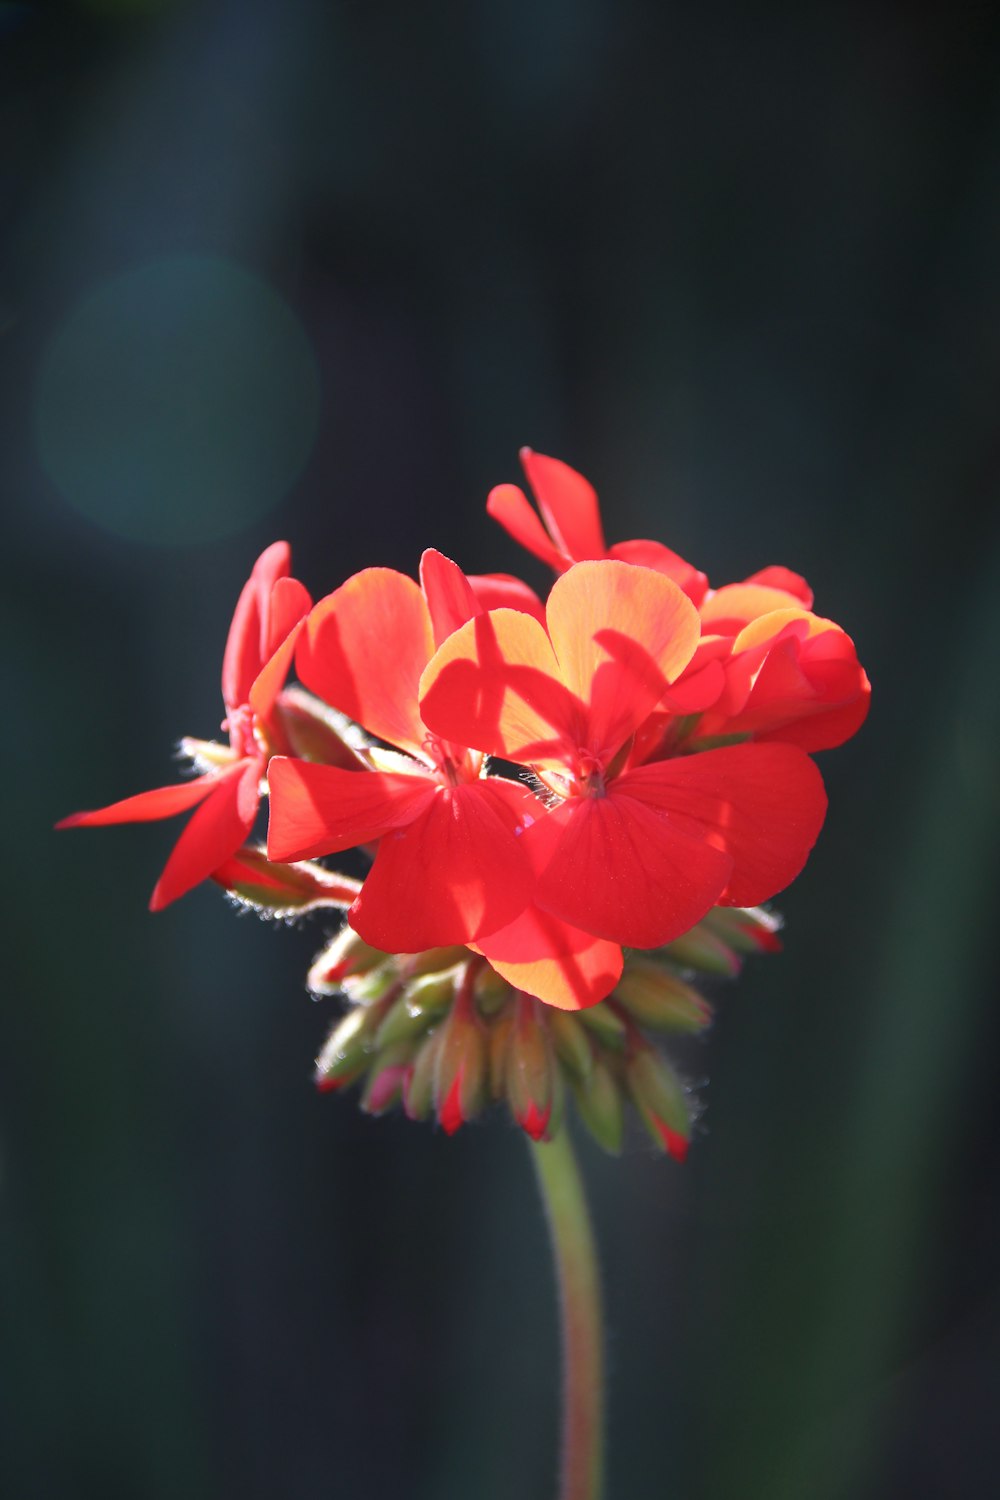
x: 676, y: 1144
x: 325, y: 1084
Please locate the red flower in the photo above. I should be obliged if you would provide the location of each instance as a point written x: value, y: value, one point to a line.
x: 448, y: 868
x: 258, y: 654
x: 630, y: 856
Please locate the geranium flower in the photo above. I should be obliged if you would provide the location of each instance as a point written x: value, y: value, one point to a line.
x: 448, y: 867
x: 259, y: 650
x: 634, y: 856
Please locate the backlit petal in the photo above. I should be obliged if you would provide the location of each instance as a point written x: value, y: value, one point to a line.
x: 503, y: 591
x: 363, y: 650
x: 621, y: 634
x: 215, y: 832
x: 623, y: 870
x: 287, y: 603
x: 449, y: 595
x: 776, y: 577
x: 511, y: 508
x: 568, y: 505
x: 495, y: 686
x: 654, y: 555
x: 322, y: 809
x: 763, y: 805
x: 242, y: 659
x: 455, y: 872
x: 559, y: 964
x: 147, y: 807
x: 729, y: 609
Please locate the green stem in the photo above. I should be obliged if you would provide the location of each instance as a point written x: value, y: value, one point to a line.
x: 580, y: 1314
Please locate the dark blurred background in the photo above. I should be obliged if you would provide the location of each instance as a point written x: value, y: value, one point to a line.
x: 287, y: 268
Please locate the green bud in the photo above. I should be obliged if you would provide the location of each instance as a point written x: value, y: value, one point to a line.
x: 432, y: 961
x: 418, y: 1087
x: 386, y: 1078
x: 571, y: 1043
x: 430, y: 994
x: 491, y: 991
x: 347, y: 1050
x: 402, y: 1023
x: 344, y: 954
x: 461, y: 1074
x: 317, y: 732
x: 599, y: 1102
x: 498, y: 1041
x: 746, y: 929
x: 702, y: 950
x: 606, y: 1024
x: 654, y: 997
x: 376, y: 984
x: 531, y: 1068
x: 276, y: 890
x: 661, y: 1100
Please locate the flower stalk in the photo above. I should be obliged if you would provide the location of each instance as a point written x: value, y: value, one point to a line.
x: 580, y: 1313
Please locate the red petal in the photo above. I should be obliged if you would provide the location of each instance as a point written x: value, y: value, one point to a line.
x: 216, y: 831
x: 568, y: 505
x: 509, y: 505
x: 322, y: 809
x: 363, y: 650
x: 727, y: 610
x: 449, y: 595
x: 621, y: 634
x: 776, y: 577
x: 455, y: 872
x: 623, y: 870
x: 494, y: 685
x: 654, y: 555
x: 147, y: 807
x: 502, y: 591
x: 287, y: 604
x: 557, y: 963
x: 242, y: 659
x: 762, y: 804
x: 271, y: 679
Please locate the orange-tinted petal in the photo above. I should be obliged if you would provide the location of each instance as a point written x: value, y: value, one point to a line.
x: 568, y: 505
x: 495, y: 686
x: 449, y: 595
x: 271, y: 677
x: 363, y: 650
x: 511, y: 508
x: 621, y: 634
x: 763, y: 805
x: 621, y: 869
x: 654, y: 555
x: 287, y: 603
x: 729, y: 609
x: 242, y: 659
x: 453, y: 873
x: 322, y: 809
x: 559, y: 964
x: 215, y: 832
x: 147, y: 807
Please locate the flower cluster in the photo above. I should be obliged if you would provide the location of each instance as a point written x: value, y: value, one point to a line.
x: 543, y: 789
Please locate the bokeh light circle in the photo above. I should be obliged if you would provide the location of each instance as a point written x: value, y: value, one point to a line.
x: 179, y: 401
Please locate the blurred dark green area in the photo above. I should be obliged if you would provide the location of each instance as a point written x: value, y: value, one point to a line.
x: 315, y: 270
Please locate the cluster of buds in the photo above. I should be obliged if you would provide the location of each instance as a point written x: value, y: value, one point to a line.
x: 570, y: 805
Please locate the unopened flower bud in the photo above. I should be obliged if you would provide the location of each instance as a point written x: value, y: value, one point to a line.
x: 276, y: 890
x: 387, y: 1077
x: 654, y: 997
x: 700, y: 949
x: 430, y: 994
x: 460, y: 1076
x: 403, y: 1023
x: 374, y: 984
x: 316, y: 732
x: 530, y: 1073
x: 660, y: 1098
x: 347, y: 1050
x: 432, y: 961
x: 748, y: 929
x: 344, y: 954
x: 608, y: 1027
x: 492, y: 992
x: 498, y: 1041
x: 418, y: 1087
x: 600, y: 1105
x: 572, y: 1045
